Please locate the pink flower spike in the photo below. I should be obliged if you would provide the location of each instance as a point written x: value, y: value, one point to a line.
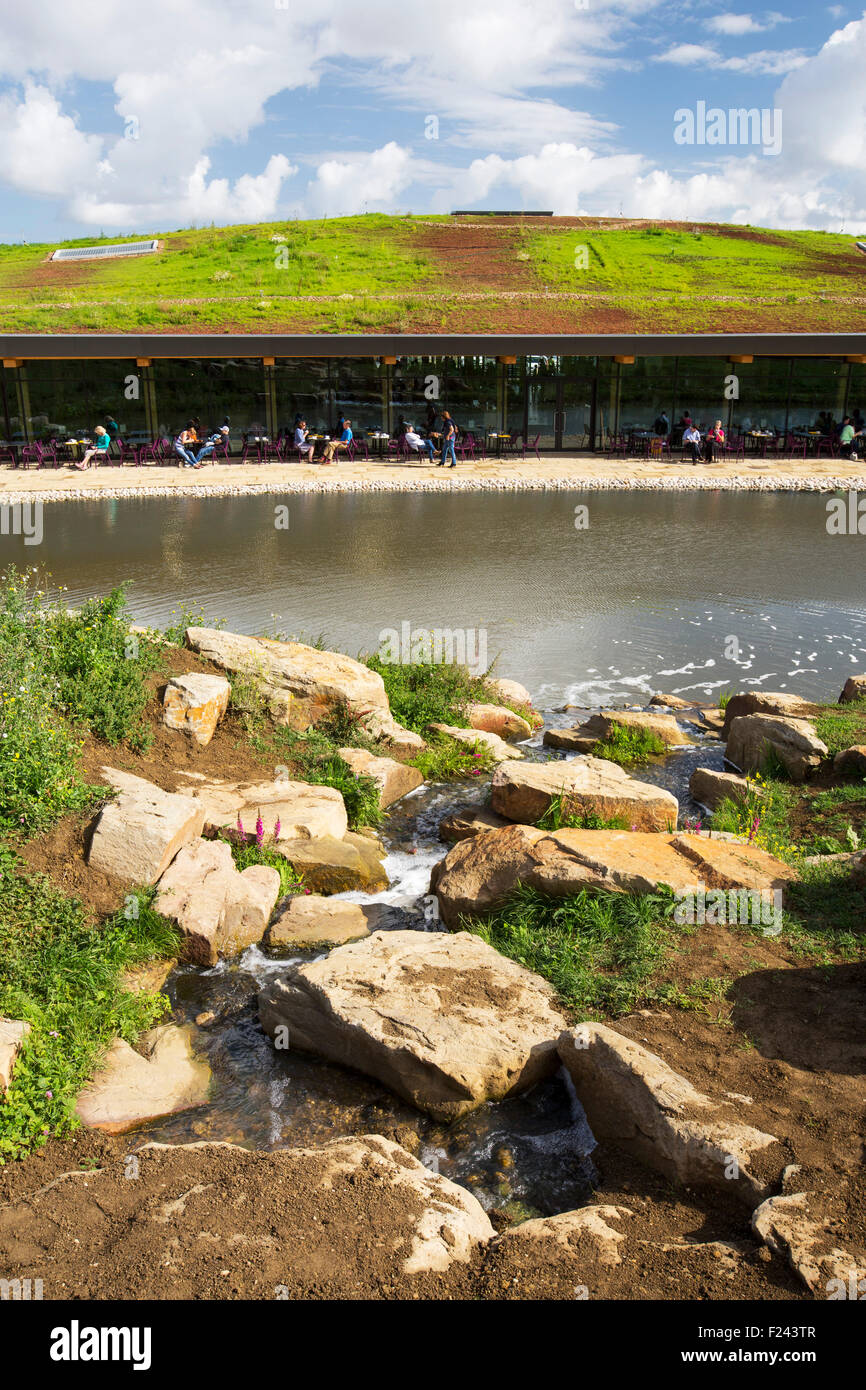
x: 240, y: 824
x: 260, y: 830
x: 277, y: 828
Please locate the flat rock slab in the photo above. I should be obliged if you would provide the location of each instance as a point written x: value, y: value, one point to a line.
x: 329, y: 865
x: 443, y: 1020
x: 218, y: 909
x: 138, y: 834
x: 851, y: 762
x: 606, y: 722
x: 474, y: 738
x: 403, y: 743
x: 635, y: 1101
x: 467, y: 821
x: 131, y: 1088
x: 766, y: 702
x: 672, y: 701
x: 855, y: 689
x: 788, y: 1227
x: 498, y: 719
x: 304, y: 810
x: 588, y: 1232
x: 195, y: 704
x: 710, y: 788
x: 394, y: 780
x: 752, y: 737
x: 13, y: 1031
x: 479, y: 873
x: 570, y: 740
x: 301, y: 684
x: 523, y: 793
x: 310, y: 920
x: 509, y: 692
x: 357, y: 1218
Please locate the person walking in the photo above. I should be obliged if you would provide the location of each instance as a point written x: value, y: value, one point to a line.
x: 715, y: 438
x: 449, y: 439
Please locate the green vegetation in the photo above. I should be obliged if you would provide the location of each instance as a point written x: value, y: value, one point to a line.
x: 558, y: 816
x: 841, y: 726
x: 247, y: 853
x: 63, y: 675
x: 64, y: 978
x: 599, y: 951
x: 692, y: 264
x: 386, y: 273
x: 629, y: 746
x: 428, y: 692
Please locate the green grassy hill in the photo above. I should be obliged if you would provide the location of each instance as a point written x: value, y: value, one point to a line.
x: 435, y: 274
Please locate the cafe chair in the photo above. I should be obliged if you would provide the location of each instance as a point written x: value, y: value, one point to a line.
x: 533, y: 445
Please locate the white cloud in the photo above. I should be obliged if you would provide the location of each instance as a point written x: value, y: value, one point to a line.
x: 369, y: 182
x: 685, y: 54
x: 736, y: 24
x: 42, y: 150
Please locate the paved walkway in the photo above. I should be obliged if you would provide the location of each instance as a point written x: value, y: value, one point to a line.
x: 574, y: 471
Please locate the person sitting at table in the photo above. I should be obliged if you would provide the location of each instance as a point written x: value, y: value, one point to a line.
x: 847, y: 436
x: 342, y: 443
x: 714, y: 437
x: 211, y: 442
x: 684, y: 421
x: 182, y: 445
x: 449, y: 439
x: 692, y: 442
x: 416, y: 442
x: 101, y: 446
x: 301, y: 444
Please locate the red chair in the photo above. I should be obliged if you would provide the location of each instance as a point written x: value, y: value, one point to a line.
x: 795, y: 445
x: 533, y: 445
x: 826, y: 445
x: 466, y: 448
x: 32, y: 453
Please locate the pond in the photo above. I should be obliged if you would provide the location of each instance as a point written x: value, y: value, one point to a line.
x: 683, y: 592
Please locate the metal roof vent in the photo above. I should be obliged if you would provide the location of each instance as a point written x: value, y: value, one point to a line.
x: 93, y: 253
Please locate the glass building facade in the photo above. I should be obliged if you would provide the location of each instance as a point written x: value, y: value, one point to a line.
x: 565, y: 403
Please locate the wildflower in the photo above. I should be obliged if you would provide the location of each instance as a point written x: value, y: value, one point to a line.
x: 277, y: 828
x: 54, y: 1033
x: 260, y: 831
x: 308, y: 890
x: 50, y: 1095
x: 240, y: 824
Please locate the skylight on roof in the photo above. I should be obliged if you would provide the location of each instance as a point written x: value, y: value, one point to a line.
x: 92, y: 253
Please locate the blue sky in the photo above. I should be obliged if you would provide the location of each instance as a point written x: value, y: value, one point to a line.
x: 116, y: 118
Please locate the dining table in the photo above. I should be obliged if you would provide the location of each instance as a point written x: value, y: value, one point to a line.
x: 498, y: 442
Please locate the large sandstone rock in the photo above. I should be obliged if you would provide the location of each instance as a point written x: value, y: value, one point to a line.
x: 329, y: 865
x: 218, y: 909
x: 444, y: 1021
x: 851, y: 762
x: 587, y: 785
x: 602, y: 725
x: 787, y: 1226
x: 394, y: 780
x: 497, y: 719
x: 794, y: 742
x: 466, y: 821
x: 569, y: 740
x: 765, y: 702
x: 131, y: 1088
x: 478, y: 874
x: 855, y: 689
x: 356, y: 1218
x: 710, y: 788
x: 195, y: 704
x: 509, y: 692
x: 310, y: 920
x: 672, y: 701
x: 636, y: 1101
x: 12, y: 1034
x: 586, y: 1232
x: 137, y: 835
x: 300, y: 683
x: 475, y: 738
x: 305, y: 810
x: 403, y: 743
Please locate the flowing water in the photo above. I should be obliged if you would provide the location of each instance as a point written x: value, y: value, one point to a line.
x: 685, y: 592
